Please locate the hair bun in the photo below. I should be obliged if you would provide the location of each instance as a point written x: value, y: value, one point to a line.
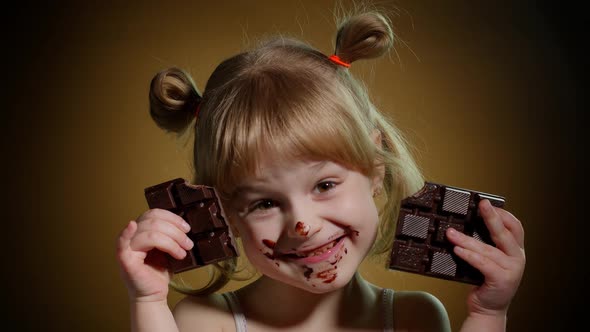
x: 173, y: 99
x: 364, y: 36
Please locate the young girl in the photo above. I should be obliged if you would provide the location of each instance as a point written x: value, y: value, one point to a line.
x: 298, y: 152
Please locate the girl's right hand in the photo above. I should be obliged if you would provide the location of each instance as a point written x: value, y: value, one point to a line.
x: 141, y: 251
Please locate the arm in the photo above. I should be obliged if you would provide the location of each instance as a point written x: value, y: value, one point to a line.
x: 484, y: 323
x: 502, y: 267
x: 152, y: 316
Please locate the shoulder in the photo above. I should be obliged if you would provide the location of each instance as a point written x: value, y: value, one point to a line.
x: 419, y: 311
x: 203, y: 313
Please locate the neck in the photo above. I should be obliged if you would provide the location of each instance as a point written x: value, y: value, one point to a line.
x: 287, y: 305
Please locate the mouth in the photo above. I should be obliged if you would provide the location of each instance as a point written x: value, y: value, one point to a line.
x: 318, y: 254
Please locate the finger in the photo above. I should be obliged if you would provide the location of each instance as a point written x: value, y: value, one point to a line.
x: 126, y: 235
x: 469, y: 243
x: 162, y: 214
x: 502, y: 237
x: 146, y: 241
x: 486, y: 266
x: 513, y: 224
x: 167, y: 228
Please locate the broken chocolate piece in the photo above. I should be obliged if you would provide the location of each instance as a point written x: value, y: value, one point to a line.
x: 200, y: 207
x: 420, y: 245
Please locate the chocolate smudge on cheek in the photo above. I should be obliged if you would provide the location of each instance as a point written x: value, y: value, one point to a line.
x: 352, y: 231
x: 269, y: 243
x: 308, y: 271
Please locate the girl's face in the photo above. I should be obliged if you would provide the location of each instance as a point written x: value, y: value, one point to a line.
x: 308, y: 224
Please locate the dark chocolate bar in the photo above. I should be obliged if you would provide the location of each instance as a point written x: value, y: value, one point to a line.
x: 200, y: 207
x: 420, y: 245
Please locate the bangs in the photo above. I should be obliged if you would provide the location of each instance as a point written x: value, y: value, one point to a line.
x: 276, y: 117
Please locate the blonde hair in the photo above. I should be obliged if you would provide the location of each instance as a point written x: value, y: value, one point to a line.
x: 289, y: 100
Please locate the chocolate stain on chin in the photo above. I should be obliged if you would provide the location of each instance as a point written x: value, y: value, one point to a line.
x: 327, y: 281
x: 328, y: 275
x: 308, y: 271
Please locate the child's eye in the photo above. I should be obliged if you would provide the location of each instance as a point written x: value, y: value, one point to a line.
x: 325, y: 186
x: 265, y: 204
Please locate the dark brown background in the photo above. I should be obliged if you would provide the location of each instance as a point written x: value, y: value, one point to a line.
x: 490, y: 94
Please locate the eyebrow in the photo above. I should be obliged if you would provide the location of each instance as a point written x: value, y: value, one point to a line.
x: 242, y: 189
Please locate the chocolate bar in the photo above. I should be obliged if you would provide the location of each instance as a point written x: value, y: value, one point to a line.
x: 420, y: 244
x: 200, y: 207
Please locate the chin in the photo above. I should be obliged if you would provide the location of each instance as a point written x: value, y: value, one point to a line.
x: 323, y: 288
x: 326, y: 278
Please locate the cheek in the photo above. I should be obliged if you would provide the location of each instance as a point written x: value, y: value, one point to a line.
x: 360, y: 208
x: 259, y: 239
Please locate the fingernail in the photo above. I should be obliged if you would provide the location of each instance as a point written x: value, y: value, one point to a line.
x: 486, y: 205
x: 189, y: 242
x: 186, y: 226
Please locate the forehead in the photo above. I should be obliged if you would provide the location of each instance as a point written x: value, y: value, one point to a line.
x: 269, y: 170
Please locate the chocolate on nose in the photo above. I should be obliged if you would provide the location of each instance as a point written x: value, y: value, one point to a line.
x: 301, y: 228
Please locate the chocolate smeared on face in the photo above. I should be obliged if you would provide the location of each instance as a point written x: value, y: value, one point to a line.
x: 337, y: 260
x: 328, y: 275
x: 308, y: 271
x: 269, y: 243
x: 329, y: 280
x: 301, y: 228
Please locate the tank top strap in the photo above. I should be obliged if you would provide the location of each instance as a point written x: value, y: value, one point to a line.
x: 387, y: 308
x: 234, y: 304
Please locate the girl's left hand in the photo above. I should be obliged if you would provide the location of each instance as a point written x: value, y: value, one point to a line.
x: 502, y: 266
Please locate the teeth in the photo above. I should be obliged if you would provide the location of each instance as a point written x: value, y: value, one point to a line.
x: 316, y: 252
x: 323, y: 249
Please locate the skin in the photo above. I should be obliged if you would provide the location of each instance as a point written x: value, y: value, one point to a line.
x: 288, y: 209
x: 301, y: 206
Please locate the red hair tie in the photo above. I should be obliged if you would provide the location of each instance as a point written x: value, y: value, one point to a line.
x: 336, y: 59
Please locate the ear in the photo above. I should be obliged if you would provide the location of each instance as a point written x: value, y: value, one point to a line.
x: 379, y: 174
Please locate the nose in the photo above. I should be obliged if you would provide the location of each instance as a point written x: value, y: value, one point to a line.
x: 303, y: 222
x: 302, y: 229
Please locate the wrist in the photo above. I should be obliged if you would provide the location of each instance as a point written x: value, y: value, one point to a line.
x: 496, y: 319
x: 148, y: 300
x: 485, y: 322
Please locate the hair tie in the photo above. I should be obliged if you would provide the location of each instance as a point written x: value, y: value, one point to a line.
x: 336, y: 59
